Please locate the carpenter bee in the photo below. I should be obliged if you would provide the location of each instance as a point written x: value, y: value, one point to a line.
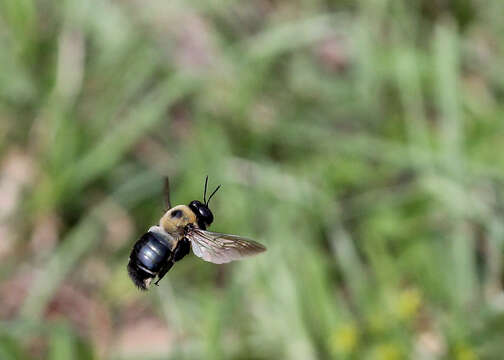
x: 180, y: 228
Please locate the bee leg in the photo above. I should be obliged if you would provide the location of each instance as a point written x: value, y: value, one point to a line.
x: 163, y: 271
x: 181, y: 250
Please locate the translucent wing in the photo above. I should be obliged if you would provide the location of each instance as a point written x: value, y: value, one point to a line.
x: 221, y: 248
x: 166, y: 193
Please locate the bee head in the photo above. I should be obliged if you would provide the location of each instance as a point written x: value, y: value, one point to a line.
x: 203, y: 214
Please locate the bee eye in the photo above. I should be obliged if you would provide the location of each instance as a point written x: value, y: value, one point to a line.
x: 206, y: 214
x: 176, y: 214
x: 202, y: 212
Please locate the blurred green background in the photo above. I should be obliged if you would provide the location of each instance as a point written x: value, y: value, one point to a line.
x: 361, y: 141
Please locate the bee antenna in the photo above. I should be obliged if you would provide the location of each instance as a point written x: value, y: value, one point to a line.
x: 204, y: 193
x: 218, y: 187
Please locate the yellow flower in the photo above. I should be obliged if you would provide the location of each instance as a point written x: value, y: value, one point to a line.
x: 463, y: 352
x: 388, y: 352
x: 408, y: 303
x: 345, y: 339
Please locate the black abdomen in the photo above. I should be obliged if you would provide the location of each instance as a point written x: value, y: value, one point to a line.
x: 151, y: 251
x: 147, y: 258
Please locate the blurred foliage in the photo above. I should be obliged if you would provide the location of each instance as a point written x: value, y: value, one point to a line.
x: 361, y: 141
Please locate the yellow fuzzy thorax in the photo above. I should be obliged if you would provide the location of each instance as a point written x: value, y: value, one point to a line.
x: 177, y: 218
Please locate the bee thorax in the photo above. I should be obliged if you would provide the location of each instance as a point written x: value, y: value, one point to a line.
x: 176, y: 219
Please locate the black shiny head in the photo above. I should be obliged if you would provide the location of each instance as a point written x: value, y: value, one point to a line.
x: 203, y: 214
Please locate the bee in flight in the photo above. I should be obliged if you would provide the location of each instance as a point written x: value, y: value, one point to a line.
x: 180, y: 228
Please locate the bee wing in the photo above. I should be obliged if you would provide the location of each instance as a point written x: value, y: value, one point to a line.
x: 220, y: 248
x: 166, y: 193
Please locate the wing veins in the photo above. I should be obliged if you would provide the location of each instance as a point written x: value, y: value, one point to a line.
x: 222, y: 248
